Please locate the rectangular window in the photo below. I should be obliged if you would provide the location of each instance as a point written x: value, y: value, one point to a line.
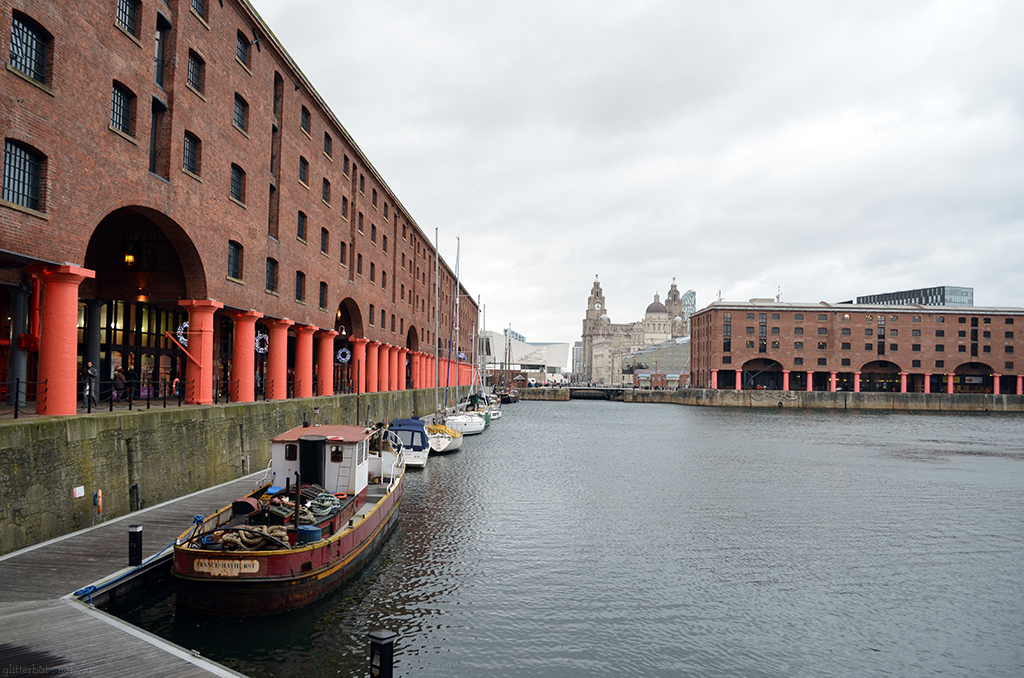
x: 894, y: 333
x: 798, y: 345
x: 727, y: 344
x: 775, y: 330
x: 300, y: 231
x: 822, y: 362
x: 359, y: 223
x: 798, y: 361
x: 1008, y: 349
x: 384, y: 243
x: 750, y: 329
x: 121, y: 104
x: 822, y: 345
x: 191, y: 157
x: 1009, y: 335
x: 372, y: 313
x: 822, y: 330
x: 822, y: 317
x: 271, y: 275
x: 846, y: 346
x: 798, y: 316
x: 326, y: 195
x: 373, y: 272
x: 344, y: 206
x: 194, y: 74
x: 300, y: 286
x: 845, y: 362
x: 940, y: 318
x: 940, y: 363
x: 1009, y: 321
x: 940, y: 348
x: 894, y: 347
x: 128, y: 15
x: 29, y: 47
x: 362, y: 183
x: 940, y: 333
x: 23, y: 170
x: 199, y: 7
x: 323, y: 295
x: 327, y: 144
x: 915, y: 363
x: 241, y: 116
x: 234, y: 260
x: 324, y: 236
x: 238, y: 184
x: 304, y: 120
x: 846, y: 331
x: 242, y: 45
x: 750, y: 344
x: 798, y: 330
x: 343, y: 247
x: 775, y: 344
x: 344, y: 164
x: 915, y: 347
x: 158, y: 52
x: 384, y: 279
x: 373, y: 200
x: 359, y: 264
x: 915, y: 333
x: 303, y: 170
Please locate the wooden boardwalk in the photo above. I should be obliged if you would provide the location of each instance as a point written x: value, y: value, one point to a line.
x: 45, y: 630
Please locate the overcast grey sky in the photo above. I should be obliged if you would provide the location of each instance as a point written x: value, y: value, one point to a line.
x: 829, y: 149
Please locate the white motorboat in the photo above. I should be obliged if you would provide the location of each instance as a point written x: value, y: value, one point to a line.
x: 443, y: 438
x: 416, y: 444
x: 467, y: 423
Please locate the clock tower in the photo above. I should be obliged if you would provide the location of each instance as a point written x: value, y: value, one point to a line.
x: 592, y: 327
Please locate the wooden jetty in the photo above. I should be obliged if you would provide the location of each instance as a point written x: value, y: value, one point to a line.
x: 48, y: 631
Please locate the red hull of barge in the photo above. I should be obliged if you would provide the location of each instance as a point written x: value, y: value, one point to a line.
x: 256, y: 583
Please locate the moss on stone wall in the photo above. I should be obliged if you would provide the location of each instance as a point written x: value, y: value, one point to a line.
x: 167, y: 452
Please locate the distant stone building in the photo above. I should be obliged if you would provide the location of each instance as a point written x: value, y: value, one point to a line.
x: 606, y: 346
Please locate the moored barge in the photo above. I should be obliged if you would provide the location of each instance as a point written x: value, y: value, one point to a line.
x: 279, y: 549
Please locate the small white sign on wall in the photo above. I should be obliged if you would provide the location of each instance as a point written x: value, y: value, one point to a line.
x: 78, y: 492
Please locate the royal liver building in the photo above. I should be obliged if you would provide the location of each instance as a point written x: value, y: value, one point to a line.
x: 607, y: 344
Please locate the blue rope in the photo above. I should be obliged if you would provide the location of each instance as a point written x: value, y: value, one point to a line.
x: 89, y: 590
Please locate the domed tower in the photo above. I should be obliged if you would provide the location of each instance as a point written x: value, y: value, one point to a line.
x: 657, y: 324
x: 592, y: 326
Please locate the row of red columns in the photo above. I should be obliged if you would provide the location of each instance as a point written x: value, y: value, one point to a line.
x: 376, y: 367
x: 856, y: 381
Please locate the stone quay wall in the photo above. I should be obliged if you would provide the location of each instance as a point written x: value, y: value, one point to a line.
x: 167, y: 452
x: 840, y: 400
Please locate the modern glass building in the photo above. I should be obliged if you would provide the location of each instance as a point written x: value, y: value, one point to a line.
x: 946, y: 295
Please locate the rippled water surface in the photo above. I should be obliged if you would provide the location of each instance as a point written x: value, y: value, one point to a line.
x: 609, y: 539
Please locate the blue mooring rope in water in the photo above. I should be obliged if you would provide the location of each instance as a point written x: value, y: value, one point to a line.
x: 197, y: 520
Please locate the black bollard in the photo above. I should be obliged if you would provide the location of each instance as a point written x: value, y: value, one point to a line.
x: 134, y: 545
x: 382, y: 653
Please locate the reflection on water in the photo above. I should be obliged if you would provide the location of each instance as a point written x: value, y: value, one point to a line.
x: 612, y: 539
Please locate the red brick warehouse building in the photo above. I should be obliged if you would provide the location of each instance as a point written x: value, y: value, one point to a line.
x: 166, y: 162
x: 857, y: 347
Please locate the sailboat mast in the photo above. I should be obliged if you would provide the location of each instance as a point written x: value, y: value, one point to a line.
x: 437, y: 366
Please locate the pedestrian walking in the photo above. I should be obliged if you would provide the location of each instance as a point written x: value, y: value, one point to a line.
x: 92, y: 382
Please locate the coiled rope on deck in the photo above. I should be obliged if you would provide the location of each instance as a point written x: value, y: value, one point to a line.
x: 324, y: 504
x: 255, y: 538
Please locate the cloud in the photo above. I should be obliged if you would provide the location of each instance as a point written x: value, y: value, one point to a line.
x: 826, y: 149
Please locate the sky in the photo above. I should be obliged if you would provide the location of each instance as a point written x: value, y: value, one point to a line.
x: 815, y: 151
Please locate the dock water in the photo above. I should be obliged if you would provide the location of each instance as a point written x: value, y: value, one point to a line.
x: 47, y: 630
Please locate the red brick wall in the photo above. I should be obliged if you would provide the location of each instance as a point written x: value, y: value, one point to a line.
x: 93, y: 171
